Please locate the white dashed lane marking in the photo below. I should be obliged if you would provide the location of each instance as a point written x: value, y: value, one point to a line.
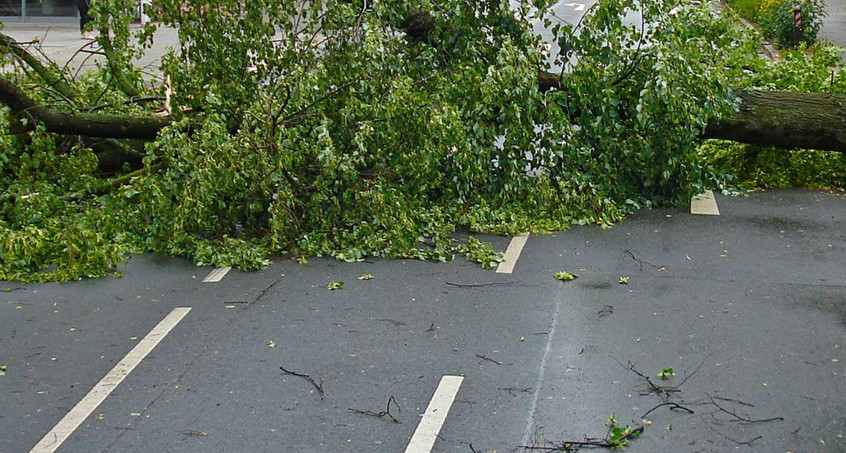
x: 512, y: 254
x: 704, y: 204
x: 217, y: 275
x: 435, y: 415
x: 51, y: 442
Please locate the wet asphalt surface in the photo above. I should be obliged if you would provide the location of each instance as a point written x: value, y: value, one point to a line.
x: 748, y: 308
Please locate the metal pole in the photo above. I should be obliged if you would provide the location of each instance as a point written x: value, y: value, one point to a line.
x: 797, y: 24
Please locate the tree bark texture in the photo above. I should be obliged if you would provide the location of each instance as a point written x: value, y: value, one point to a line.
x: 85, y: 124
x: 786, y: 120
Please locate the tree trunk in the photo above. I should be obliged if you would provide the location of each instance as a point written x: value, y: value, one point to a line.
x: 786, y: 120
x: 773, y: 118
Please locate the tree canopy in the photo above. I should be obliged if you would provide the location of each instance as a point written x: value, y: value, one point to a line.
x: 352, y: 128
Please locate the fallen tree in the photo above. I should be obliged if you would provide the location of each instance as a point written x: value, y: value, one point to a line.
x: 355, y: 129
x: 786, y: 120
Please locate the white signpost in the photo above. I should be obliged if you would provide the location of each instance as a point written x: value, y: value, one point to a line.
x: 141, y: 4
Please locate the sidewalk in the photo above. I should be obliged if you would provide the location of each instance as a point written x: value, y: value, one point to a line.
x: 61, y: 42
x: 834, y: 25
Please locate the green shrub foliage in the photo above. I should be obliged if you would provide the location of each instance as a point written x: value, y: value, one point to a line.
x: 776, y: 20
x: 340, y: 128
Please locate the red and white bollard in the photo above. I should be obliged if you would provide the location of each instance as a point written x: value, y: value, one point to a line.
x: 797, y: 24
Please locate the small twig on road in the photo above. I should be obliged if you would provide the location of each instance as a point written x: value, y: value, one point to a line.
x: 489, y: 359
x: 742, y: 442
x: 574, y: 445
x: 653, y: 387
x: 479, y: 285
x: 513, y: 391
x: 742, y: 419
x: 393, y: 321
x: 673, y: 407
x: 384, y: 413
x: 663, y: 390
x: 732, y: 400
x: 605, y: 311
x: 318, y: 386
x: 641, y: 262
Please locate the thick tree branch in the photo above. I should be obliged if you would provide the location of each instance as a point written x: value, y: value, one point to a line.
x: 85, y: 124
x: 786, y: 120
x: 47, y: 74
x: 772, y: 118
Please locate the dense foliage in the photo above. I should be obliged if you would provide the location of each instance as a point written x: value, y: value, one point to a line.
x: 802, y: 69
x: 338, y: 128
x: 775, y: 18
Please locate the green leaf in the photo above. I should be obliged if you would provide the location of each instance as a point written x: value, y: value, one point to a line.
x: 565, y: 276
x: 335, y: 285
x: 666, y: 374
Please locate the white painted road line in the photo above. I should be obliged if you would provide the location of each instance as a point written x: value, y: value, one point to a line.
x: 704, y: 204
x: 512, y: 253
x: 530, y: 423
x: 427, y: 431
x: 84, y: 408
x: 217, y: 275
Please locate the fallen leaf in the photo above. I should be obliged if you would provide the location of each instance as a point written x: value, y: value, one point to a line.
x: 565, y: 276
x: 335, y: 285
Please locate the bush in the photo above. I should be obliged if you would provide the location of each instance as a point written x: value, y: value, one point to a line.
x: 775, y: 18
x: 745, y: 8
x: 741, y: 166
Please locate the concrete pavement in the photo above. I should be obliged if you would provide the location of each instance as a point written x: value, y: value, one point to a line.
x: 834, y: 25
x: 60, y: 41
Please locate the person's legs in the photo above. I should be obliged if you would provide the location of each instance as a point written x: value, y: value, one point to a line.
x: 84, y: 18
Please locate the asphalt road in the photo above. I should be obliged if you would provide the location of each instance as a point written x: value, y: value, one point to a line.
x: 748, y: 308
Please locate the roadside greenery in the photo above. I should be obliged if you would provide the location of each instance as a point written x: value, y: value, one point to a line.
x: 739, y: 166
x: 331, y: 129
x: 775, y: 18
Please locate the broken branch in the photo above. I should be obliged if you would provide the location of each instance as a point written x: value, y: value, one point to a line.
x: 318, y: 386
x: 384, y: 413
